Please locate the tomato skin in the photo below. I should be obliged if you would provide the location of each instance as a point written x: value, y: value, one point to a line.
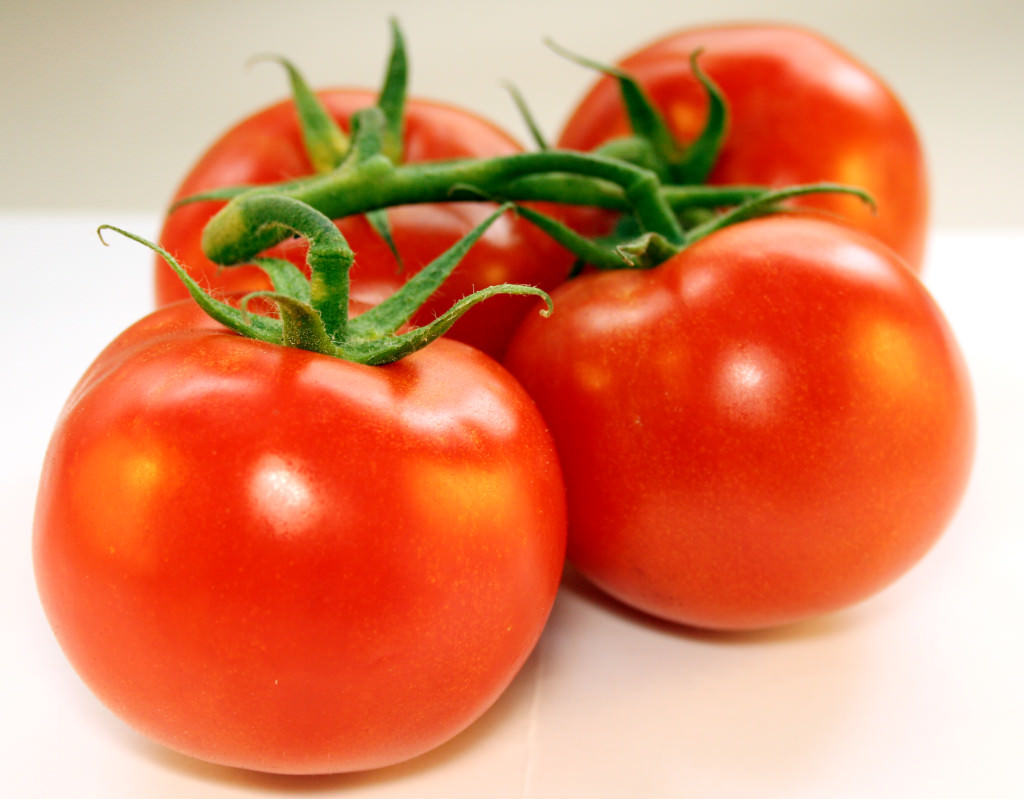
x: 267, y: 148
x: 801, y: 111
x: 282, y: 561
x: 771, y: 425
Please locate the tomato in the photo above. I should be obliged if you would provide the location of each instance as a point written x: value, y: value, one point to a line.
x: 279, y: 560
x: 773, y: 424
x: 268, y: 148
x: 801, y: 111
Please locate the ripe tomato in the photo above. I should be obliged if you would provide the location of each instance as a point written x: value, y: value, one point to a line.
x: 283, y: 561
x: 801, y: 111
x: 267, y: 148
x: 772, y: 424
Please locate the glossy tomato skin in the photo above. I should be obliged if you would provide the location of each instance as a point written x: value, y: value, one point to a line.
x: 282, y: 561
x: 774, y: 424
x: 801, y: 111
x: 267, y: 148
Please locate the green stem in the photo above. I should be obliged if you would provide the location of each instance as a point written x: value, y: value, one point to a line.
x: 391, y: 100
x: 554, y: 188
x: 238, y: 231
x: 241, y: 321
x: 681, y: 198
x: 393, y: 312
x: 391, y: 348
x: 325, y: 142
x: 589, y: 251
x: 560, y: 188
x: 699, y: 158
x: 653, y: 213
x: 768, y: 202
x: 329, y: 256
x: 646, y: 121
x: 528, y: 118
x: 301, y: 327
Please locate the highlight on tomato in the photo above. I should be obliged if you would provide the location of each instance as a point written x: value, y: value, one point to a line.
x: 311, y: 134
x: 299, y: 541
x: 773, y: 424
x: 794, y: 108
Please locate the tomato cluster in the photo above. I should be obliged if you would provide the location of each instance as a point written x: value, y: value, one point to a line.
x: 281, y: 527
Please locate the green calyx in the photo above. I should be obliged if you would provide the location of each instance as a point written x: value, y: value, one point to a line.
x: 313, y: 313
x: 653, y: 143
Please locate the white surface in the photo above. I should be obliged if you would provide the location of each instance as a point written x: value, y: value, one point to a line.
x: 107, y: 104
x: 915, y: 693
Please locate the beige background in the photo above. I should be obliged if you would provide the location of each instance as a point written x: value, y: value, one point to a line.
x: 105, y: 105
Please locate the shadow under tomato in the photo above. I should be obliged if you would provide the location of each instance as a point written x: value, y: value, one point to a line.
x: 500, y: 715
x: 818, y: 627
x: 637, y: 706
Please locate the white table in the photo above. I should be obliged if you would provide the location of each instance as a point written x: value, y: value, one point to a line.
x: 917, y: 692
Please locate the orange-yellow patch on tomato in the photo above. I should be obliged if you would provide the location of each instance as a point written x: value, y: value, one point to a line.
x: 685, y: 120
x: 470, y: 496
x: 591, y: 376
x: 852, y: 168
x: 121, y: 482
x: 889, y: 358
x: 494, y: 273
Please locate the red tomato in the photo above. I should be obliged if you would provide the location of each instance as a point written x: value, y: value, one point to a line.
x: 267, y: 148
x: 801, y: 111
x: 773, y: 424
x: 287, y: 562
